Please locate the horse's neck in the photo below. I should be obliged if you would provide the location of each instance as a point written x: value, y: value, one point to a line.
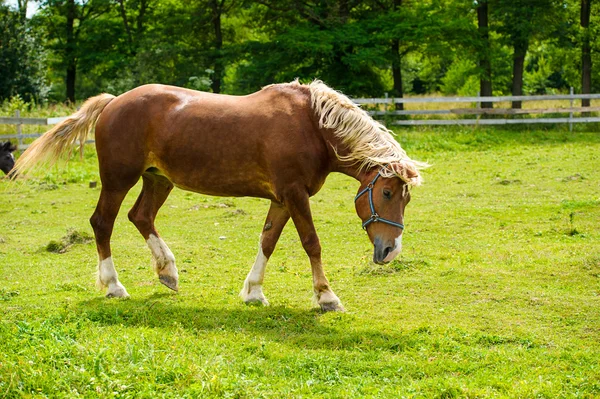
x: 336, y: 147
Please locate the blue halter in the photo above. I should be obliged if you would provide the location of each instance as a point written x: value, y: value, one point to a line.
x: 374, y: 216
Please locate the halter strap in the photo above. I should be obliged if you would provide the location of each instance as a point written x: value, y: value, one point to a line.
x: 374, y: 216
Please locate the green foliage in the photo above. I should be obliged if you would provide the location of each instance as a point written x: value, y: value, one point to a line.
x: 22, y: 59
x: 537, y: 78
x: 319, y: 43
x: 354, y: 46
x: 460, y: 79
x: 201, y: 82
x: 15, y: 103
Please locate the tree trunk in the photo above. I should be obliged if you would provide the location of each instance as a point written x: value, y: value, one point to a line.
x: 217, y: 10
x: 586, y: 52
x: 520, y: 50
x: 140, y: 18
x: 485, y: 80
x: 22, y: 9
x: 398, y: 90
x: 126, y: 25
x: 70, y: 57
x: 344, y: 10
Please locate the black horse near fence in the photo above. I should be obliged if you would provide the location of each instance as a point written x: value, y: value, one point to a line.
x: 7, y: 159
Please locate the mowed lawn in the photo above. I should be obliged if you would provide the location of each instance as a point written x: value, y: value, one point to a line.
x: 496, y: 293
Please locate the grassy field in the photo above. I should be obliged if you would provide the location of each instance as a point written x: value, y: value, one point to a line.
x: 496, y: 294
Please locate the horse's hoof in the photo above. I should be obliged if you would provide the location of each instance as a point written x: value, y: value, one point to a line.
x: 261, y: 301
x: 169, y: 282
x: 332, y: 307
x: 117, y: 292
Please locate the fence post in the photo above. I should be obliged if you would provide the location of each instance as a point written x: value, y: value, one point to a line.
x: 388, y: 108
x: 478, y: 103
x: 570, y: 113
x: 19, y: 129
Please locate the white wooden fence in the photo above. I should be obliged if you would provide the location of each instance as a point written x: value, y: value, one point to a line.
x: 19, y: 122
x: 388, y: 103
x: 478, y: 111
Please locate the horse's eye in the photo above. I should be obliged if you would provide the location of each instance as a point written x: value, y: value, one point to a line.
x: 387, y: 194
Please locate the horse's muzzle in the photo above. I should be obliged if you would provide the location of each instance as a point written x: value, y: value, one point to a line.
x: 382, y: 251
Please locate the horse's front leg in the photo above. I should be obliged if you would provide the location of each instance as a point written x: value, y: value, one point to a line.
x: 299, y: 207
x: 276, y: 220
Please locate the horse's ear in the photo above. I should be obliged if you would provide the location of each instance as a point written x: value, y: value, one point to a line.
x: 408, y: 171
x: 11, y: 147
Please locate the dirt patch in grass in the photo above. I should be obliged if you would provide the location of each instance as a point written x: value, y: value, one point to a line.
x: 508, y: 182
x: 73, y: 237
x: 6, y: 295
x: 396, y: 266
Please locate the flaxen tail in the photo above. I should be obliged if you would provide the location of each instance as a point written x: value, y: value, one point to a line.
x: 48, y: 149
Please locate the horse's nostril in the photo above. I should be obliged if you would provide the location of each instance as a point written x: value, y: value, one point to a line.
x: 386, y: 252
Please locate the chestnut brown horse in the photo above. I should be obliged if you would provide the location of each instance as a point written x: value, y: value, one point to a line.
x: 279, y: 144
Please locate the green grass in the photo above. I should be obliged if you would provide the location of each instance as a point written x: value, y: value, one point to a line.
x: 496, y: 294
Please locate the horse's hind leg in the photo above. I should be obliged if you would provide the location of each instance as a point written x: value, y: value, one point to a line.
x: 154, y: 193
x: 103, y: 221
x: 276, y: 220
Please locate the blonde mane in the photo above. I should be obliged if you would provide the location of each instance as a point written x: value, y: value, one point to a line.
x: 370, y: 144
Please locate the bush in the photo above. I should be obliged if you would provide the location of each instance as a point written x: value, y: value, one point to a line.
x: 461, y: 79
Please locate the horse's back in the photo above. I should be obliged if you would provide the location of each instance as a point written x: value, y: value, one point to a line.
x: 212, y: 143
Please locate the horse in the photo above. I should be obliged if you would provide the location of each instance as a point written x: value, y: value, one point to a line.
x: 279, y: 143
x: 7, y: 159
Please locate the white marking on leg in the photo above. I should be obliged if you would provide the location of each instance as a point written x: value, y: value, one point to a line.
x: 163, y: 260
x: 161, y: 254
x: 396, y: 251
x: 108, y: 278
x: 252, y: 290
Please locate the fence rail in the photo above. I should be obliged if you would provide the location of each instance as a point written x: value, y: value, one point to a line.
x: 18, y: 121
x: 478, y: 112
x: 391, y: 100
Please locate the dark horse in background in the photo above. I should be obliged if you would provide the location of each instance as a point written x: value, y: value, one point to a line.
x: 7, y: 159
x: 279, y: 144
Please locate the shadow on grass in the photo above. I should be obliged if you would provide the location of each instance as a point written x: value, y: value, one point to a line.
x: 297, y: 327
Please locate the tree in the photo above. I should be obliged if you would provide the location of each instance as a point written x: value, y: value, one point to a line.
x: 485, y: 65
x: 390, y: 28
x: 586, y: 51
x: 66, y: 21
x: 133, y: 15
x: 519, y: 21
x: 322, y: 39
x: 22, y: 59
x: 22, y: 9
x: 209, y: 26
x: 362, y: 47
x: 217, y: 8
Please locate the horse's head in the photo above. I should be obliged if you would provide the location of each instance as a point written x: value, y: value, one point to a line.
x: 380, y: 204
x: 7, y: 159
